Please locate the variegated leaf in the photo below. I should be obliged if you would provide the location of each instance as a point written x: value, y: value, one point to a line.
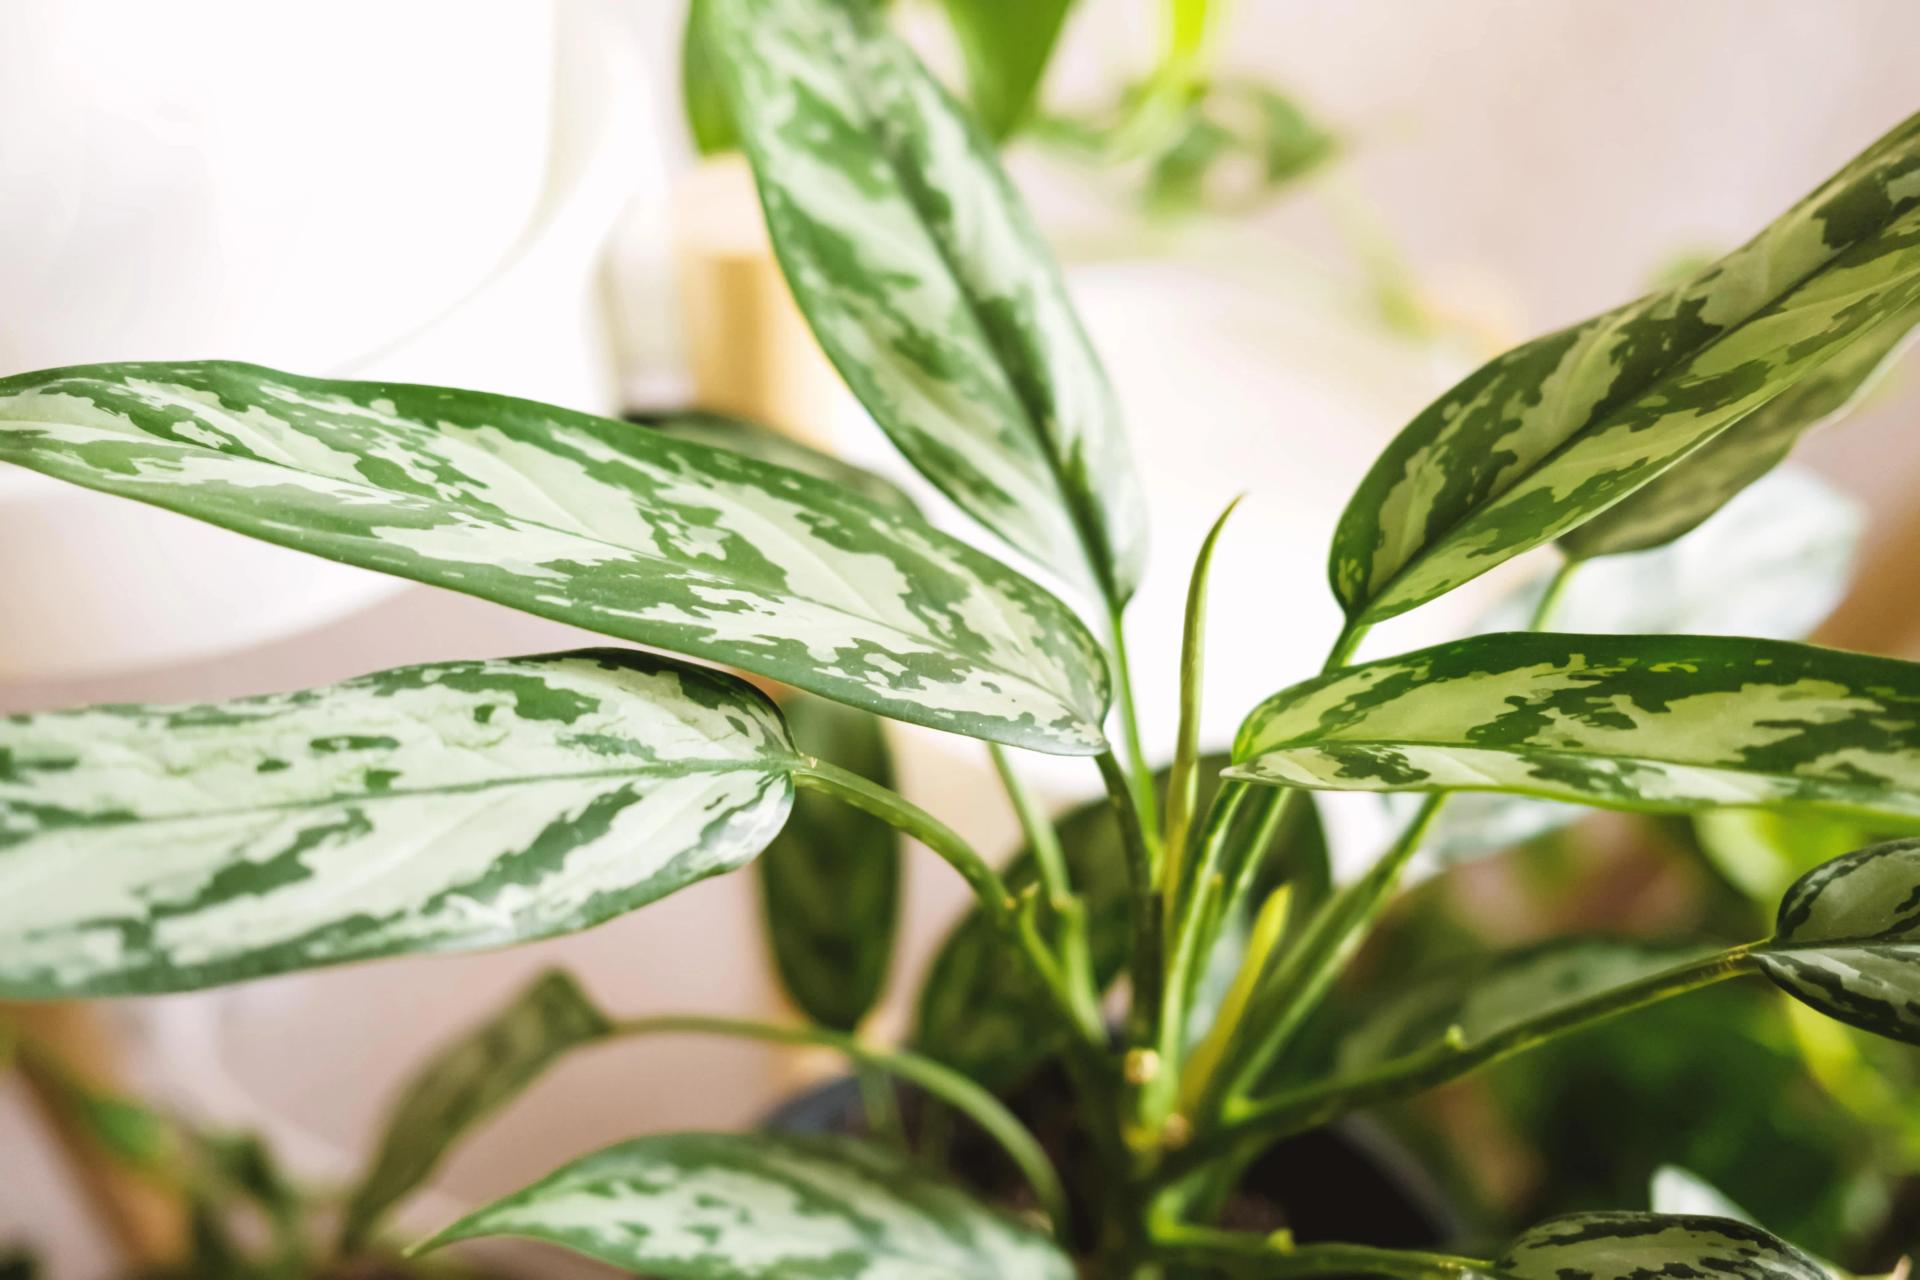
x: 1475, y: 1002
x: 830, y: 881
x: 1556, y: 431
x: 1847, y: 941
x: 601, y: 524
x: 738, y: 435
x: 1679, y: 499
x: 927, y: 285
x: 1659, y: 723
x: 728, y: 1206
x: 465, y: 1082
x: 432, y: 808
x: 1634, y: 1246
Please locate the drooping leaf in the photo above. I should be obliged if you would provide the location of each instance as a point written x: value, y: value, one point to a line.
x: 431, y: 808
x: 1774, y: 562
x: 596, y: 523
x: 978, y: 1011
x: 927, y: 285
x: 709, y: 119
x: 738, y: 435
x: 467, y: 1081
x: 1680, y: 498
x: 1555, y: 431
x: 1847, y: 941
x: 1006, y: 48
x: 729, y: 1206
x: 1472, y: 1003
x: 1621, y: 1245
x: 830, y: 881
x: 1657, y: 723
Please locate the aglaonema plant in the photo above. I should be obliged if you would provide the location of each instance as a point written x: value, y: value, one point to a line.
x: 469, y: 804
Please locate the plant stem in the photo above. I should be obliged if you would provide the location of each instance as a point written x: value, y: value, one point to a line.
x: 1310, y: 1106
x: 956, y: 1090
x: 1183, y: 781
x: 1248, y: 1254
x: 1146, y: 960
x: 1549, y: 601
x: 1038, y: 828
x: 1139, y: 775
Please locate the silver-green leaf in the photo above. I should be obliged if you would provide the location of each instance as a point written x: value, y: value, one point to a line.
x: 432, y: 808
x: 601, y: 524
x: 1556, y: 431
x: 465, y: 1082
x: 1847, y: 941
x: 926, y: 283
x: 1681, y: 498
x: 739, y: 435
x: 1657, y: 723
x: 1623, y: 1245
x: 728, y: 1206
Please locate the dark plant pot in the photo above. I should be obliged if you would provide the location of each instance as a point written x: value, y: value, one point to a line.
x: 1349, y: 1181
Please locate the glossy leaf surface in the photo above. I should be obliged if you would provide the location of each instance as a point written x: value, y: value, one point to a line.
x: 830, y: 881
x: 1554, y: 432
x: 1632, y: 1246
x: 1666, y: 724
x: 601, y: 524
x: 1847, y: 941
x: 1679, y: 499
x: 1006, y: 48
x: 927, y: 284
x: 467, y: 1081
x: 739, y: 435
x: 432, y: 808
x: 727, y: 1206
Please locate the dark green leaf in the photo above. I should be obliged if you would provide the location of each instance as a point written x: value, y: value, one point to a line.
x: 830, y: 881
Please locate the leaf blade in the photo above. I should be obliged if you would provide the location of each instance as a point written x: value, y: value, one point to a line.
x: 600, y: 524
x: 1847, y: 940
x: 721, y: 1206
x: 926, y: 284
x: 1664, y: 724
x: 1555, y: 431
x: 440, y: 807
x: 1618, y: 1245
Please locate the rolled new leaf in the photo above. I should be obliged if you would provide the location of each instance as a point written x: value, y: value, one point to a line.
x: 830, y: 881
x: 466, y: 1082
x: 725, y: 1206
x: 600, y: 524
x: 1556, y: 431
x: 927, y: 285
x: 1623, y: 1245
x: 1655, y: 723
x: 433, y: 808
x: 1847, y: 941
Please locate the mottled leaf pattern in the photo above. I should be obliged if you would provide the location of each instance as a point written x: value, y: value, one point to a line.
x: 1638, y: 1246
x: 1679, y: 499
x: 1660, y: 723
x: 431, y: 808
x: 601, y: 524
x: 926, y: 283
x: 719, y: 1206
x: 738, y: 435
x: 1475, y: 1001
x: 830, y: 881
x: 465, y: 1082
x: 1847, y: 940
x: 1555, y: 431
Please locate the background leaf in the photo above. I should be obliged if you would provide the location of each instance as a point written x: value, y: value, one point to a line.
x: 1848, y: 940
x: 830, y: 881
x: 467, y: 1081
x: 1554, y: 432
x: 596, y: 523
x: 727, y: 1206
x: 709, y: 120
x: 1624, y: 1246
x: 1006, y: 47
x: 927, y: 285
x: 431, y: 808
x: 1680, y: 498
x: 1658, y: 723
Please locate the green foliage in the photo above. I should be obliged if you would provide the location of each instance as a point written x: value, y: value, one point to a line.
x: 1846, y: 940
x: 1007, y: 47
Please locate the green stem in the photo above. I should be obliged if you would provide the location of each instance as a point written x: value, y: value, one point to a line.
x: 1310, y: 1106
x: 1247, y: 1254
x: 1550, y: 601
x: 1146, y: 960
x: 1183, y: 783
x: 952, y: 1088
x: 1042, y: 839
x: 1139, y: 775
